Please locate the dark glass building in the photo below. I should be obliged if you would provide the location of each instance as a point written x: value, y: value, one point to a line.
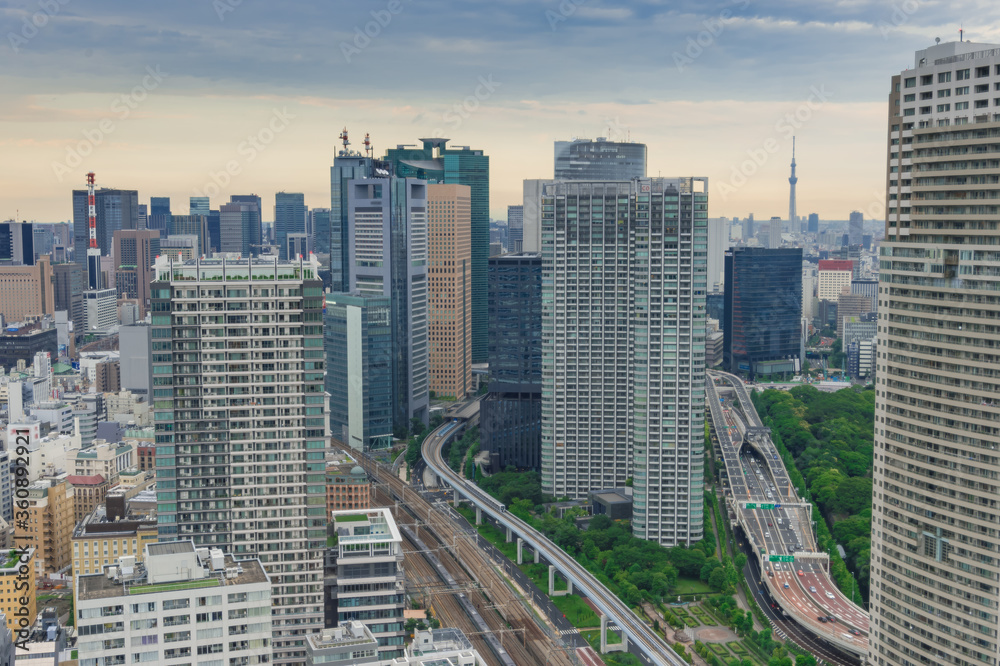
x: 436, y: 162
x: 17, y: 243
x: 116, y: 209
x: 289, y: 218
x: 763, y: 310
x: 511, y: 413
x: 600, y: 159
x: 715, y: 304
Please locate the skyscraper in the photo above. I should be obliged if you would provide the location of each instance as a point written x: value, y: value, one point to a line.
x: 320, y: 240
x: 763, y: 310
x: 718, y: 243
x: 239, y: 228
x: 116, y: 209
x: 134, y: 254
x: 191, y: 225
x: 449, y: 290
x: 436, y: 162
x: 68, y: 282
x: 515, y: 229
x: 600, y: 159
x: 199, y: 206
x: 792, y: 180
x: 934, y: 561
x: 511, y: 413
x: 774, y: 233
x: 228, y: 406
x: 289, y: 218
x: 253, y: 226
x: 17, y: 243
x: 159, y: 215
x: 855, y: 228
x: 623, y: 339
x: 387, y: 224
x: 813, y: 227
x: 347, y: 165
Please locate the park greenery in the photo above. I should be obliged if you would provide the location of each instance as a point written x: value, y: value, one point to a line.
x: 830, y: 439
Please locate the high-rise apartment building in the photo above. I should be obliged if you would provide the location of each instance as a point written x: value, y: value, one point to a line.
x: 934, y: 561
x: 134, y: 253
x: 511, y: 413
x: 289, y: 218
x: 49, y: 526
x: 623, y: 346
x: 387, y: 221
x: 360, y: 355
x: 600, y: 159
x: 116, y: 209
x: 436, y: 162
x: 26, y: 291
x: 763, y: 311
x: 238, y: 402
x: 774, y: 233
x: 515, y: 229
x: 449, y: 290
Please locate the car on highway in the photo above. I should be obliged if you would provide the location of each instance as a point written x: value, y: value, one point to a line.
x: 801, y: 573
x: 767, y: 535
x: 829, y: 595
x: 830, y: 618
x: 786, y: 586
x: 821, y: 618
x: 855, y: 632
x: 812, y: 588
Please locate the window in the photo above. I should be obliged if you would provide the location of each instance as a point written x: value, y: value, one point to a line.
x: 910, y: 98
x: 982, y: 103
x: 924, y: 110
x: 912, y: 81
x: 926, y: 79
x: 144, y: 607
x: 964, y: 90
x: 941, y: 108
x: 945, y: 77
x: 929, y: 94
x: 944, y: 92
x: 961, y: 106
x: 981, y: 88
x: 909, y: 112
x: 171, y: 604
x: 982, y: 71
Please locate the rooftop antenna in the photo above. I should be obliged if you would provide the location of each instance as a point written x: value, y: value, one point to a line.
x: 343, y: 138
x: 368, y: 145
x: 961, y: 38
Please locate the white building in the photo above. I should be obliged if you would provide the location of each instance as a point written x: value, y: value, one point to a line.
x: 623, y: 346
x: 369, y: 550
x: 101, y: 308
x: 243, y: 416
x: 833, y: 276
x: 200, y: 606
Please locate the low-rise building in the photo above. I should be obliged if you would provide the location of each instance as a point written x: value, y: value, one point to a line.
x: 111, y: 531
x: 88, y: 492
x: 347, y: 488
x: 179, y: 603
x: 345, y: 645
x: 16, y: 583
x: 49, y: 527
x: 102, y: 458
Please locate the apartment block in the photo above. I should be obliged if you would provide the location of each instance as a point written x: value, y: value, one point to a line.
x: 27, y: 291
x: 16, y: 583
x: 238, y: 404
x: 623, y: 346
x: 833, y: 275
x: 49, y: 526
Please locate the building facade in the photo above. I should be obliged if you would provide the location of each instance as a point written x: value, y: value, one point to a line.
x: 49, y: 527
x: 515, y: 229
x: 449, y: 290
x: 832, y: 276
x: 116, y: 209
x: 347, y: 488
x: 462, y: 165
x: 15, y: 584
x: 511, y: 413
x: 623, y: 346
x: 289, y: 218
x: 370, y: 549
x: 27, y: 291
x: 69, y: 282
x: 934, y: 561
x: 600, y: 159
x: 763, y: 302
x: 238, y: 376
x: 357, y: 336
x: 178, y: 603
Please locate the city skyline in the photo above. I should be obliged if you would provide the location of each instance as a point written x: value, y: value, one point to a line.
x: 134, y: 99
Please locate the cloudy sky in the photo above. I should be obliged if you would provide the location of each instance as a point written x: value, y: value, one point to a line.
x: 226, y: 97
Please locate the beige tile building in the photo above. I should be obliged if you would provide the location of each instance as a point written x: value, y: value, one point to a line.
x: 50, y: 522
x: 12, y: 582
x: 935, y: 561
x: 27, y: 290
x: 103, y: 536
x: 449, y: 297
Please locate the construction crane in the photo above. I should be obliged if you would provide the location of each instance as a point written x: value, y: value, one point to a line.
x: 93, y: 252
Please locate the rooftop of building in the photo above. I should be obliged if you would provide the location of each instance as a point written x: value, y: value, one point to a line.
x: 86, y: 480
x: 378, y: 523
x: 836, y: 265
x: 10, y: 560
x: 114, y: 583
x: 347, y: 634
x: 98, y: 523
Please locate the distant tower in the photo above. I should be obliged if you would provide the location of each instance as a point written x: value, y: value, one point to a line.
x: 93, y: 252
x: 791, y: 194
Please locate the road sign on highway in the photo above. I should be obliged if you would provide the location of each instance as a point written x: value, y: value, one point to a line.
x: 754, y: 505
x: 781, y: 558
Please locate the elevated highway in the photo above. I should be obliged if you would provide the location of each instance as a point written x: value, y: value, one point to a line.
x: 778, y: 524
x: 652, y: 648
